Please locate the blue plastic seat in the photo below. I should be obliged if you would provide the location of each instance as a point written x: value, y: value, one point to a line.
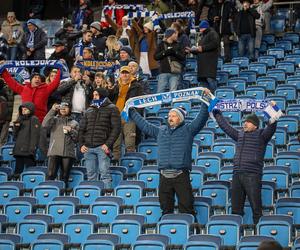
x: 192, y: 77
x: 289, y: 67
x: 133, y: 164
x: 79, y: 227
x: 267, y: 193
x: 130, y: 191
x: 285, y: 44
x: 151, y: 150
x: 242, y: 61
x: 277, y: 25
x: 101, y: 241
x: 238, y: 83
x: 225, y: 93
x: 116, y: 176
x: 292, y: 58
x: 211, y: 161
x: 259, y: 67
x: 9, y: 241
x: 217, y: 190
x: 204, y: 242
x: 106, y: 208
x: 186, y: 105
x: 294, y: 80
x: 232, y: 68
x: 279, y: 74
x: 128, y: 227
x: 76, y: 176
x: 227, y: 149
x: 149, y: 207
x: 17, y: 208
x: 270, y: 60
x: 7, y: 152
x: 225, y: 226
x: 45, y: 192
x: 226, y: 173
x: 277, y: 226
x: 251, y: 75
x: 202, y: 206
x: 289, y: 206
x: 222, y: 77
x: 269, y: 39
x: 294, y: 145
x: 149, y: 175
x: 88, y: 191
x: 287, y: 90
x: 197, y: 176
x: 206, y: 137
x: 252, y: 242
x: 279, y: 175
x: 9, y: 190
x: 280, y: 137
x: 176, y: 227
x: 248, y: 215
x: 294, y: 189
x: 290, y: 160
x: 61, y: 208
x: 268, y: 82
x: 151, y: 241
x: 290, y: 122
x: 259, y: 92
x: 32, y: 226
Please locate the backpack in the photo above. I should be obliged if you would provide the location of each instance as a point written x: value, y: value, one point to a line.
x: 3, y: 108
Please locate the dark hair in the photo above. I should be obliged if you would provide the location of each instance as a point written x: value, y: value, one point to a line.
x: 269, y: 245
x: 87, y: 31
x: 177, y: 27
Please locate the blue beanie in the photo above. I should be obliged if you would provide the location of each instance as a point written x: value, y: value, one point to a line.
x: 169, y: 32
x: 204, y: 24
x: 33, y: 22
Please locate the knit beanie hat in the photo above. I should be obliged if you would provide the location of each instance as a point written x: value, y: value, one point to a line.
x: 204, y: 24
x: 169, y: 32
x: 253, y: 119
x: 149, y: 25
x: 181, y: 113
x: 102, y: 92
x: 96, y: 25
x: 33, y: 22
x: 127, y: 49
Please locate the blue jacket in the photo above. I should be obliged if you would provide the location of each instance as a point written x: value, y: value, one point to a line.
x: 174, y: 145
x: 250, y: 146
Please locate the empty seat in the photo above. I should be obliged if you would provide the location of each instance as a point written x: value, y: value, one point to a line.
x: 101, y: 241
x: 202, y: 206
x: 289, y: 206
x: 130, y: 191
x: 88, y: 191
x: 252, y: 242
x: 17, y: 208
x: 9, y: 241
x: 133, y: 164
x: 151, y: 241
x: 128, y: 227
x: 204, y: 242
x: 150, y: 176
x: 149, y: 207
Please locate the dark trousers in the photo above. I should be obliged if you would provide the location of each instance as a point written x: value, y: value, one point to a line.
x: 208, y: 82
x: 181, y: 186
x: 65, y: 164
x: 246, y: 184
x: 22, y: 161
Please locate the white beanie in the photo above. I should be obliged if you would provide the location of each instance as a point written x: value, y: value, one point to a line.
x: 181, y: 113
x: 149, y: 25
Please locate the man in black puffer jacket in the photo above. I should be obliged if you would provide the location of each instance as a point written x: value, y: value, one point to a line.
x: 98, y: 130
x: 251, y: 144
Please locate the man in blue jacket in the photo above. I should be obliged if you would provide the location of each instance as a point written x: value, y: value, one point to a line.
x: 248, y: 162
x: 175, y: 142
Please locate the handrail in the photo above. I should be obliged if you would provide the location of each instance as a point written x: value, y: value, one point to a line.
x: 286, y: 3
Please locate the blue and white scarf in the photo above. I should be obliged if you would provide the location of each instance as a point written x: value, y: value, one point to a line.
x: 98, y: 103
x: 271, y: 112
x: 37, y: 63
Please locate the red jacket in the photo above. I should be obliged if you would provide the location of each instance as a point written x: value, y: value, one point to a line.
x: 118, y: 15
x: 38, y: 95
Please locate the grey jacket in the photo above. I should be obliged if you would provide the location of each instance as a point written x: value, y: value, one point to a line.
x: 61, y: 144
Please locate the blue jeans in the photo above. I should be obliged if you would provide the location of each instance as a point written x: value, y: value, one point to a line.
x: 97, y: 162
x: 12, y: 53
x: 246, y: 184
x: 167, y: 80
x: 246, y: 41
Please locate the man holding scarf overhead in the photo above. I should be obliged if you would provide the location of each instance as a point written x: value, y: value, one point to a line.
x: 251, y: 144
x: 175, y: 142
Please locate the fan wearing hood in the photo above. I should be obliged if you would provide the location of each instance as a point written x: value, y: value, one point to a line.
x: 26, y: 134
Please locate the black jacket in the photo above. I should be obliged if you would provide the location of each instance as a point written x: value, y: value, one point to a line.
x: 69, y: 37
x: 250, y: 146
x: 62, y: 55
x: 100, y: 43
x: 175, y: 53
x: 100, y: 126
x: 207, y: 60
x: 251, y: 16
x: 224, y: 11
x: 40, y: 42
x: 8, y: 94
x: 66, y: 91
x: 28, y: 133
